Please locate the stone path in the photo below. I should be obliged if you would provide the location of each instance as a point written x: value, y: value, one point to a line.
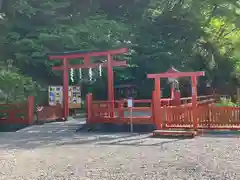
x: 56, y: 151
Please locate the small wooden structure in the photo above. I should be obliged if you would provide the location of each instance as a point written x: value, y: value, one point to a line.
x: 157, y: 97
x: 125, y: 91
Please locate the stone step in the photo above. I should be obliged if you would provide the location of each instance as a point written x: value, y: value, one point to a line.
x: 175, y: 133
x: 79, y: 115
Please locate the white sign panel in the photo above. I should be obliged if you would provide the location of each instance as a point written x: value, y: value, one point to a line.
x: 194, y: 91
x: 130, y: 103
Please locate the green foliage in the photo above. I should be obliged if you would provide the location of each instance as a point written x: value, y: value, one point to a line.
x: 226, y: 102
x: 15, y: 87
x: 190, y: 35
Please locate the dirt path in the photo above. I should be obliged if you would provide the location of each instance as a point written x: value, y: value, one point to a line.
x: 62, y: 154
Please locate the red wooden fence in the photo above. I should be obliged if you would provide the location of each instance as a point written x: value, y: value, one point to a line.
x: 207, y: 114
x: 214, y: 117
x: 17, y: 113
x: 49, y: 113
x: 100, y: 111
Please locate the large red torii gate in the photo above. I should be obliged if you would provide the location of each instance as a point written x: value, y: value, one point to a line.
x: 110, y: 63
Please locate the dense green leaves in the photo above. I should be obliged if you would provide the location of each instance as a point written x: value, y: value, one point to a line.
x: 188, y: 34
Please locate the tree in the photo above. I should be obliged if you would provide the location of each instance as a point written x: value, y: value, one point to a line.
x: 188, y: 34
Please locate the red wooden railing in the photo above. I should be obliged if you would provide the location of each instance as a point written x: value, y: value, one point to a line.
x: 100, y: 111
x: 172, y: 116
x: 187, y: 100
x: 49, y: 113
x: 208, y: 116
x: 17, y: 113
x: 181, y: 116
x: 213, y: 117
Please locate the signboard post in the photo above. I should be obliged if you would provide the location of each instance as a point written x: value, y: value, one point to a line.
x: 130, y: 106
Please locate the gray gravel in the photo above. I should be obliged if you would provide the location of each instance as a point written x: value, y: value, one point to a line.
x: 65, y: 155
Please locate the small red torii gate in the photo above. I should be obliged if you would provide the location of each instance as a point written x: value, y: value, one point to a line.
x: 110, y: 63
x: 172, y: 73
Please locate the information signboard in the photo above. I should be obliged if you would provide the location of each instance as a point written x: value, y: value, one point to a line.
x: 56, y: 96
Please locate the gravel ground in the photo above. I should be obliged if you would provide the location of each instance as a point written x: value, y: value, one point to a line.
x: 65, y: 155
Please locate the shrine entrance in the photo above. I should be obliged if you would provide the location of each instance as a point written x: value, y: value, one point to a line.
x: 65, y: 57
x: 172, y: 75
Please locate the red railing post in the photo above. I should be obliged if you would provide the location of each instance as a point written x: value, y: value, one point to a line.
x: 177, y: 98
x: 30, y: 110
x: 11, y: 114
x: 156, y: 110
x: 121, y: 109
x: 153, y: 108
x: 110, y: 85
x: 89, y: 107
x: 194, y: 102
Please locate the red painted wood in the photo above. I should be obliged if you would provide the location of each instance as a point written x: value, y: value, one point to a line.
x: 194, y: 101
x: 50, y: 113
x: 180, y: 117
x: 17, y: 113
x: 110, y: 84
x: 65, y: 90
x: 89, y: 107
x: 176, y: 75
x: 154, y: 107
x: 87, y: 64
x: 30, y: 112
x: 95, y: 65
x: 90, y: 54
x: 121, y: 109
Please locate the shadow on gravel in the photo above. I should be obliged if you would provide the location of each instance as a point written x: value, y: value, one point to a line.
x: 38, y: 136
x: 95, y: 138
x: 221, y: 134
x: 140, y: 144
x: 62, y: 134
x: 135, y: 140
x: 32, y: 141
x: 116, y: 128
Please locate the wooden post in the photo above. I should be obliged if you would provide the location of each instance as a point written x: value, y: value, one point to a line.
x: 89, y: 107
x: 110, y: 85
x: 177, y: 98
x: 175, y: 74
x: 157, y: 87
x: 157, y: 104
x: 194, y: 102
x: 65, y: 89
x: 30, y: 111
x: 153, y: 107
x: 121, y: 109
x: 172, y: 92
